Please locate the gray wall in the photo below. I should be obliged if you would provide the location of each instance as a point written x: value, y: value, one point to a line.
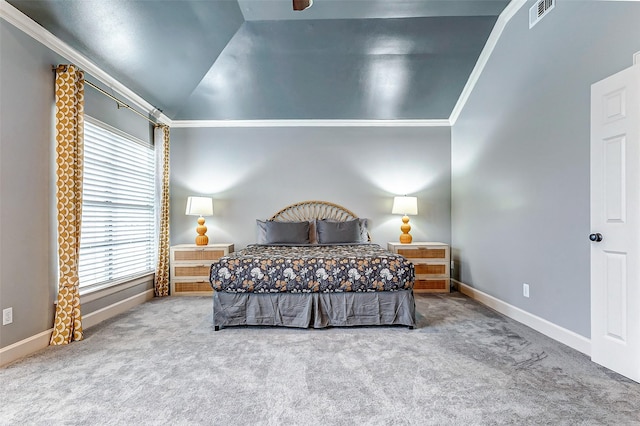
x: 27, y: 266
x: 253, y: 172
x: 520, y: 158
x: 28, y: 260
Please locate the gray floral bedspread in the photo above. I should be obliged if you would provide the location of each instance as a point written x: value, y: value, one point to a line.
x: 309, y: 269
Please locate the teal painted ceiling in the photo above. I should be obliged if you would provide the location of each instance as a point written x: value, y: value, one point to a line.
x: 258, y: 59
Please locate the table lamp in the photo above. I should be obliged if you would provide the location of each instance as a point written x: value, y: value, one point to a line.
x: 200, y: 206
x: 405, y: 206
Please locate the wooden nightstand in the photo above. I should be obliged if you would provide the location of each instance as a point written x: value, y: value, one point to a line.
x: 431, y: 262
x: 190, y: 266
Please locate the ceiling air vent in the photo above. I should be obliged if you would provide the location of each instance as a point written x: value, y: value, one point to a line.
x: 540, y: 10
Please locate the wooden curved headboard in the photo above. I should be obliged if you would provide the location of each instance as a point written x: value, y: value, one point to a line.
x: 310, y: 210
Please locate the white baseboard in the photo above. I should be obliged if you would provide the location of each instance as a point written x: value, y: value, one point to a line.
x: 562, y: 335
x: 25, y: 347
x: 33, y: 344
x: 107, y: 312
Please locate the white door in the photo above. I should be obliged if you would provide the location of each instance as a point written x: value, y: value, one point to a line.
x: 615, y: 218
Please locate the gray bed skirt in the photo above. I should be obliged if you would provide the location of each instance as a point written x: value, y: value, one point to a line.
x: 317, y: 310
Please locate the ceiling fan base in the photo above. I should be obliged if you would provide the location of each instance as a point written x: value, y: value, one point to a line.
x: 301, y: 4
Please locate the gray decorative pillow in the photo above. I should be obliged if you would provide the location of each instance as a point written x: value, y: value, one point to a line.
x: 262, y: 231
x: 364, y: 230
x: 272, y: 232
x: 330, y: 232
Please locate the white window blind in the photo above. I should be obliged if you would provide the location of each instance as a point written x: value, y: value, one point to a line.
x: 117, y: 239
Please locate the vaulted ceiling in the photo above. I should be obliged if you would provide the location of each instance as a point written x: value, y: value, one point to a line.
x: 259, y: 59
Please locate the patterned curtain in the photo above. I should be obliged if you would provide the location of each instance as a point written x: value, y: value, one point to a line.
x: 161, y: 285
x: 69, y: 97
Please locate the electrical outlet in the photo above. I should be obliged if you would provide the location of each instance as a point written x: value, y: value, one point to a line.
x: 7, y: 316
x: 453, y: 265
x: 525, y: 290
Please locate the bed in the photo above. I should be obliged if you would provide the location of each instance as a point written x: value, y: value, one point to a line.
x: 313, y: 266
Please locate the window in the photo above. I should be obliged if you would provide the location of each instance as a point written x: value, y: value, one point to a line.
x: 117, y: 239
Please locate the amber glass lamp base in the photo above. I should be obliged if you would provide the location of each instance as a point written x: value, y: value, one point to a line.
x: 201, y: 239
x: 405, y: 237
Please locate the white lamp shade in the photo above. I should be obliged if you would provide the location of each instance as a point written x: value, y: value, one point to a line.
x: 199, y: 206
x: 405, y: 205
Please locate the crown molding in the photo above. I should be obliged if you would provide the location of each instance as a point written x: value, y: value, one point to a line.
x: 310, y: 123
x: 25, y: 24
x: 495, y: 35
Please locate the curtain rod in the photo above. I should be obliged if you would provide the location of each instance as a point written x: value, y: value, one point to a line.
x: 109, y: 95
x: 121, y: 103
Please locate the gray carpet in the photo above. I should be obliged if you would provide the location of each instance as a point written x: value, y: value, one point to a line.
x: 162, y: 363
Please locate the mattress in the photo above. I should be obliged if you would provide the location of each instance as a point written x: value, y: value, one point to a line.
x: 312, y: 269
